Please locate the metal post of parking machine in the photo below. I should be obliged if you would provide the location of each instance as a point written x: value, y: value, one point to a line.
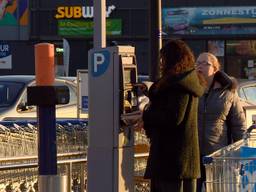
x: 112, y: 109
x: 99, y: 20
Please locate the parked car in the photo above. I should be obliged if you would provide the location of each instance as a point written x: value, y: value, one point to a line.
x: 247, y: 91
x: 247, y: 94
x: 13, y: 98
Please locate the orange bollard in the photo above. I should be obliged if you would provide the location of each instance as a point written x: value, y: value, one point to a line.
x: 46, y: 114
x: 44, y: 64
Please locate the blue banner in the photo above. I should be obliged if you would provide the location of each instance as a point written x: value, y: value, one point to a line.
x: 209, y: 20
x: 85, y: 103
x: 5, y: 55
x: 247, y: 170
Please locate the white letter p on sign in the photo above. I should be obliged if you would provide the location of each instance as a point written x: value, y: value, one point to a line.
x: 98, y: 60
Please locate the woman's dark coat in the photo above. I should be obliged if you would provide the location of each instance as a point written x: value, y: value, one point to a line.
x: 171, y: 124
x: 221, y: 118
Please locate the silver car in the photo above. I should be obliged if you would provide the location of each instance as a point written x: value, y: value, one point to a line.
x: 247, y: 91
x: 13, y: 98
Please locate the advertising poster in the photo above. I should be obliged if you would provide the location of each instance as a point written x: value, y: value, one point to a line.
x: 216, y: 48
x: 209, y: 20
x: 250, y: 63
x: 13, y: 12
x: 5, y: 56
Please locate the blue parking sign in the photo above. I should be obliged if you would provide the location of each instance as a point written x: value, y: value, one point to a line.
x: 84, y: 103
x: 100, y: 62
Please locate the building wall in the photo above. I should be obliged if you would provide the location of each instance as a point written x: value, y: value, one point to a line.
x: 135, y: 31
x: 234, y: 43
x: 134, y: 16
x: 194, y: 3
x: 43, y: 28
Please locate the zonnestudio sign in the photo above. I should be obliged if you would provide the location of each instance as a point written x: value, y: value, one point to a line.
x: 209, y: 20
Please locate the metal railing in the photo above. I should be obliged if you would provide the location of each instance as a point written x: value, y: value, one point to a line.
x: 20, y: 173
x: 20, y: 138
x: 19, y: 164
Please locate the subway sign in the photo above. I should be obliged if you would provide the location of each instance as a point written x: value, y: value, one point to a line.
x: 77, y: 12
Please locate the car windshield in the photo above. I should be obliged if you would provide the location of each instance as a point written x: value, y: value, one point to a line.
x: 9, y: 92
x: 250, y: 94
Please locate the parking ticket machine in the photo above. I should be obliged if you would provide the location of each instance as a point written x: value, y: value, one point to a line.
x: 113, y: 110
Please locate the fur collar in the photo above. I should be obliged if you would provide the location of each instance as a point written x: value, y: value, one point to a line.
x: 226, y: 81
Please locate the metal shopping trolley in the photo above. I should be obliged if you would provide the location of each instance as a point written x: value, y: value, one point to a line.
x: 233, y: 168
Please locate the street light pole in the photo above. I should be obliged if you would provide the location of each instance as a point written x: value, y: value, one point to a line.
x: 99, y: 20
x: 155, y: 41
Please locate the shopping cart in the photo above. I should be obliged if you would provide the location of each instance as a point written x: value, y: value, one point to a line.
x: 233, y: 168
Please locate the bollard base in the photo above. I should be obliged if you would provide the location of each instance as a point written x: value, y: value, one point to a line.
x: 52, y: 183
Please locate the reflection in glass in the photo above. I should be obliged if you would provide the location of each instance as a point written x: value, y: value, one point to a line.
x: 243, y: 47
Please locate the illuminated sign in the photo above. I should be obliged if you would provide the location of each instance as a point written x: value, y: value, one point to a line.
x: 77, y: 12
x: 5, y: 56
x: 59, y: 50
x: 74, y: 27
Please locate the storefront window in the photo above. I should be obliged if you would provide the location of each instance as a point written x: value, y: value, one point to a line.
x: 216, y: 47
x: 241, y: 59
x: 241, y: 48
x: 197, y: 46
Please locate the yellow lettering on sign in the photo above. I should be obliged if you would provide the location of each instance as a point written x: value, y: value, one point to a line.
x: 74, y: 12
x: 77, y: 12
x: 60, y: 13
x: 69, y: 12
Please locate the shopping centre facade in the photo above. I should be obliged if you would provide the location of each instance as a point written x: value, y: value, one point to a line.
x: 226, y: 28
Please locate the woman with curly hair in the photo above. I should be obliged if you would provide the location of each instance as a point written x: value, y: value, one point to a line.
x: 170, y: 122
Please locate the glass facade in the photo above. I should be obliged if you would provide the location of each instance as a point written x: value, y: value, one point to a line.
x: 225, y: 31
x: 241, y: 58
x: 237, y: 57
